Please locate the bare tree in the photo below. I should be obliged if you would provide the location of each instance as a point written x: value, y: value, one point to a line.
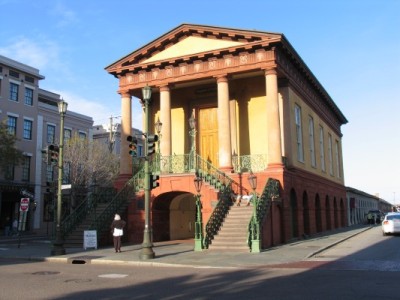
x: 88, y: 163
x: 9, y: 154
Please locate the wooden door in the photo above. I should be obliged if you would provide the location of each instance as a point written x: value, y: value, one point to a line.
x: 208, y: 135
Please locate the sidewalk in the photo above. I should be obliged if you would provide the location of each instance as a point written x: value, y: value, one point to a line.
x: 178, y: 253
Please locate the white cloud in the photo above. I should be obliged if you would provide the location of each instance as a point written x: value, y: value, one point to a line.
x: 39, y: 54
x: 64, y: 15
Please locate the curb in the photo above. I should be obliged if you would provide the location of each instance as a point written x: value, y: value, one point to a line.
x: 312, y: 254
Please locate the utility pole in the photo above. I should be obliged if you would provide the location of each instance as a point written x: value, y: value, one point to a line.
x: 112, y: 134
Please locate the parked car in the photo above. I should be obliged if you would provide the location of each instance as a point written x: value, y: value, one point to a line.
x: 391, y: 223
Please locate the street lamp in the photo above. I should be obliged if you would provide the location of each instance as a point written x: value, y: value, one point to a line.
x: 198, y: 229
x: 58, y: 244
x: 255, y: 225
x: 147, y: 246
x: 158, y: 126
x: 192, y: 133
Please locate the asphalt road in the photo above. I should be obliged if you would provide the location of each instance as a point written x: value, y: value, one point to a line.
x: 355, y: 269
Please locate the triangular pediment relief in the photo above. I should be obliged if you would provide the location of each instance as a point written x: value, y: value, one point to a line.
x: 192, y: 45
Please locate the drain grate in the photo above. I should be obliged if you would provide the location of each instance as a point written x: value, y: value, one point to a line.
x: 81, y: 260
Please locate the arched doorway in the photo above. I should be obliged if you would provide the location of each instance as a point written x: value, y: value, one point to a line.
x: 293, y: 214
x: 306, y: 214
x: 173, y: 216
x: 318, y: 212
x: 328, y: 214
x: 182, y: 217
x: 335, y: 213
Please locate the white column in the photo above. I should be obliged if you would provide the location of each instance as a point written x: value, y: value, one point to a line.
x: 165, y: 119
x: 224, y: 126
x: 273, y: 124
x: 126, y: 130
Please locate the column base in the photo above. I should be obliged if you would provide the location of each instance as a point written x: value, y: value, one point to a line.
x: 198, y: 245
x: 255, y: 246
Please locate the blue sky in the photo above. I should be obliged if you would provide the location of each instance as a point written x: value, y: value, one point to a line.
x: 351, y: 46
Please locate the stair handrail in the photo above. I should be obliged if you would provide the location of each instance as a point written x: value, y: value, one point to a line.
x: 104, y: 219
x: 80, y: 212
x: 217, y: 216
x: 261, y: 207
x: 216, y: 177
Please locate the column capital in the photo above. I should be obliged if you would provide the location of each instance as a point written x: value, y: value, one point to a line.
x: 271, y: 71
x: 222, y: 78
x: 125, y: 94
x: 164, y: 88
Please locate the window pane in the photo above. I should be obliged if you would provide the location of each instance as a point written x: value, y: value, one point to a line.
x: 28, y: 96
x: 12, y: 125
x: 51, y: 130
x: 14, y: 91
x: 27, y: 129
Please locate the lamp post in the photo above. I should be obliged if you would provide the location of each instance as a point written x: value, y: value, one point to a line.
x: 158, y: 126
x: 255, y: 228
x: 198, y: 229
x: 58, y: 244
x: 147, y: 246
x: 192, y: 133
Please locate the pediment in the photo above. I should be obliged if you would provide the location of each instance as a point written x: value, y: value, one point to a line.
x: 190, y: 46
x: 188, y: 41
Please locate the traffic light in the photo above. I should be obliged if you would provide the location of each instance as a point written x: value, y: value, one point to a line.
x: 52, y: 154
x: 132, y: 145
x: 153, y: 181
x: 151, y: 143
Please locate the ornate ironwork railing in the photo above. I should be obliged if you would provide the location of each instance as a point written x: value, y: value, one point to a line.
x: 217, y: 217
x: 261, y: 206
x: 256, y: 163
x: 85, y: 208
x: 118, y: 203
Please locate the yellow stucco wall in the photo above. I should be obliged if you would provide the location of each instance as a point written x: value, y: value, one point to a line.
x: 306, y: 112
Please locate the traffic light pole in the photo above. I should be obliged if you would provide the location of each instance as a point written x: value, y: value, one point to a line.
x: 147, y: 246
x: 58, y: 244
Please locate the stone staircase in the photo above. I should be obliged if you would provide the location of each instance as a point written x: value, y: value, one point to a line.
x: 233, y: 234
x: 75, y: 238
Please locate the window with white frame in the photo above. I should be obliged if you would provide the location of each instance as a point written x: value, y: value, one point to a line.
x: 51, y: 133
x: 12, y: 125
x: 312, y: 141
x: 322, y: 148
x: 26, y: 168
x: 28, y: 96
x: 28, y: 124
x: 14, y: 91
x: 299, y: 135
x: 337, y: 159
x: 330, y: 154
x: 9, y: 172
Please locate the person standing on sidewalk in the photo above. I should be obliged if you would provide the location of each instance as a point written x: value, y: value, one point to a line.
x: 117, y: 230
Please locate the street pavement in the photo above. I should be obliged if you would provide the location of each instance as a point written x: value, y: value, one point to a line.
x: 178, y: 253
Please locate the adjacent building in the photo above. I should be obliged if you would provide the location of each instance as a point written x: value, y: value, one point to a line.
x: 31, y: 114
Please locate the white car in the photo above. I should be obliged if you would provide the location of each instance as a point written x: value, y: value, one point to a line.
x: 391, y: 223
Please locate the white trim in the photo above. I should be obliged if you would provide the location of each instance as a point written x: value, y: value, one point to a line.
x: 29, y: 119
x: 12, y: 115
x: 27, y: 154
x: 51, y: 124
x: 14, y: 81
x: 29, y: 86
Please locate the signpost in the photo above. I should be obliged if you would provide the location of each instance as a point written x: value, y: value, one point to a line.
x: 24, y: 205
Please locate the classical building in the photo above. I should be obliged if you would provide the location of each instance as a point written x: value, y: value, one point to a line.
x: 234, y: 105
x: 31, y: 114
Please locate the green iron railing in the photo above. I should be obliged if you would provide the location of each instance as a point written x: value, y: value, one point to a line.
x: 255, y: 162
x: 85, y: 208
x: 261, y: 207
x: 117, y: 204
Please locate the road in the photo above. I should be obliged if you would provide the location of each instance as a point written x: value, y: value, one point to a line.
x: 364, y: 267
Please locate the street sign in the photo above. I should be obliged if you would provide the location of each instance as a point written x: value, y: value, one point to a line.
x: 66, y: 186
x: 24, y: 205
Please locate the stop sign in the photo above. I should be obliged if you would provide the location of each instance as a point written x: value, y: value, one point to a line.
x: 24, y: 206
